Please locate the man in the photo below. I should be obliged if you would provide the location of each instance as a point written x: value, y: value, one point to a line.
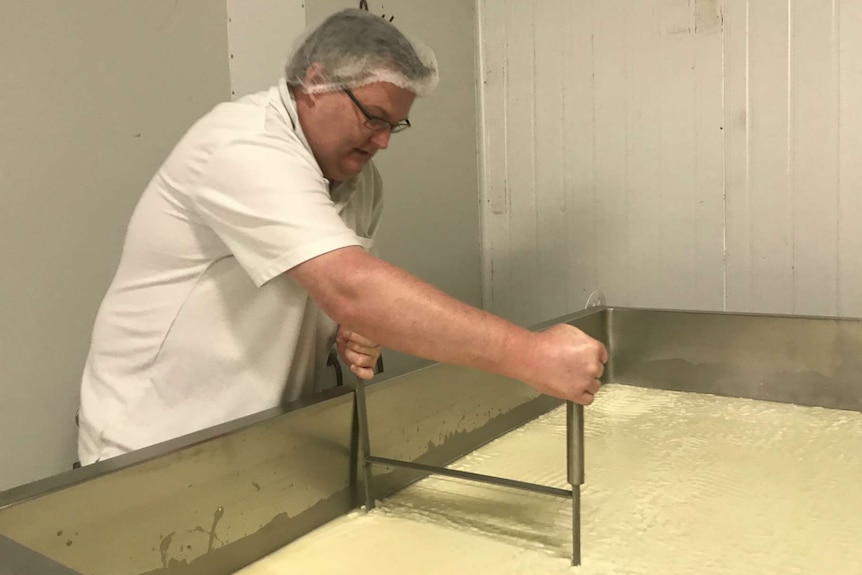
x: 247, y: 254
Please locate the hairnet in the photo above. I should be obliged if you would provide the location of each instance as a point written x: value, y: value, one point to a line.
x: 353, y: 47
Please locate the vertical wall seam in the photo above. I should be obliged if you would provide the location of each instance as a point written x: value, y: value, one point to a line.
x: 789, y: 168
x: 748, y: 113
x: 724, y: 206
x: 836, y: 78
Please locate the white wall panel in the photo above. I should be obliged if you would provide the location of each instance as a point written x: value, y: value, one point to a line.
x: 737, y: 170
x: 551, y: 286
x: 611, y: 244
x: 768, y: 194
x: 705, y: 264
x: 95, y: 95
x: 578, y: 167
x: 260, y: 36
x: 849, y: 17
x: 814, y: 156
x: 689, y: 260
x: 692, y: 154
x: 492, y: 121
x: 521, y: 271
x: 644, y: 162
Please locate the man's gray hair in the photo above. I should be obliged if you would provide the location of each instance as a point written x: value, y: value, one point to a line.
x: 352, y: 48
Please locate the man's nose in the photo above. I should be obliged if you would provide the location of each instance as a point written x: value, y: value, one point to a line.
x: 381, y: 139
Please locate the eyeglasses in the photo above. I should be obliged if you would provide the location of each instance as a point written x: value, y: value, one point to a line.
x: 375, y: 123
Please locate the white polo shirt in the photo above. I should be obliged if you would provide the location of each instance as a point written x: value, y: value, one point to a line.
x: 201, y: 325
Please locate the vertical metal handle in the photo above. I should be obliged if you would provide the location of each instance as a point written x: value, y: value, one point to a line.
x: 364, y: 442
x: 575, y: 442
x: 575, y: 470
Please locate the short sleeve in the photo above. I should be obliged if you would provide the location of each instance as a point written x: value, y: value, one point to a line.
x: 270, y: 205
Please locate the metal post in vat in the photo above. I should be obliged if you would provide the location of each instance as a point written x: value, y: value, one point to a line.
x: 364, y: 442
x: 575, y: 470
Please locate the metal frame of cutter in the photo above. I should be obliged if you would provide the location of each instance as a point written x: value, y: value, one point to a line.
x: 280, y: 474
x: 574, y: 465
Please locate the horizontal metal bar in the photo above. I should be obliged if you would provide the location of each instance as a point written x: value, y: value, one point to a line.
x: 544, y: 489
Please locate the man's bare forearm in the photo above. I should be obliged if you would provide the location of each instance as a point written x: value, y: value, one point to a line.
x: 401, y: 312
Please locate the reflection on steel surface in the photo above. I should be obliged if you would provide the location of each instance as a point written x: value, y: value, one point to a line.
x: 16, y: 559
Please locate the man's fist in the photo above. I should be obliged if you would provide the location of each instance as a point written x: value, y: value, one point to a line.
x: 359, y: 352
x: 566, y: 363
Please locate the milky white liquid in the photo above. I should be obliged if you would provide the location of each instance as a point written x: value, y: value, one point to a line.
x: 676, y: 483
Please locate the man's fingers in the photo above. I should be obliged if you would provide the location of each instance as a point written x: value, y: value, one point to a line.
x: 359, y: 352
x: 359, y: 359
x: 354, y: 337
x: 600, y: 370
x: 362, y: 372
x: 588, y: 395
x: 360, y: 348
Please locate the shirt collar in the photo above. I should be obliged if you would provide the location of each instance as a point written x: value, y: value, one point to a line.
x: 287, y: 98
x: 289, y: 103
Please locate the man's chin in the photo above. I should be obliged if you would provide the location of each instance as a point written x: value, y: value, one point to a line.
x: 348, y: 170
